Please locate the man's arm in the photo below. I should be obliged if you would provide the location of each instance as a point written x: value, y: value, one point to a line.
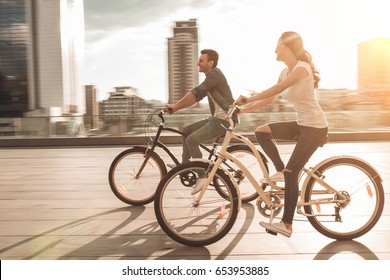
x: 188, y: 100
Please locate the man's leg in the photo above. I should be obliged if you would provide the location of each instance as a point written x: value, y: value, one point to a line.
x: 188, y: 130
x: 211, y: 129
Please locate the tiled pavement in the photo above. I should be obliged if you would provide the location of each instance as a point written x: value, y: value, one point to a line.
x: 56, y: 203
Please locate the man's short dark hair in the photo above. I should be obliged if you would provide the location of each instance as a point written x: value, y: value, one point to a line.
x: 211, y: 55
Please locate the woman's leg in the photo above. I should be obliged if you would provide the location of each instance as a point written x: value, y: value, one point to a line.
x: 266, y: 134
x: 308, y: 142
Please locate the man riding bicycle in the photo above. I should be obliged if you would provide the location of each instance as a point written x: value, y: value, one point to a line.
x: 220, y: 97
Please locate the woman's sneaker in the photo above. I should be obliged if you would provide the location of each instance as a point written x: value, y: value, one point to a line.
x: 277, y: 228
x: 277, y: 177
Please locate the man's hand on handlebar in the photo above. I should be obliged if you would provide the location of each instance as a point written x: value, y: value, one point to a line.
x: 169, y: 109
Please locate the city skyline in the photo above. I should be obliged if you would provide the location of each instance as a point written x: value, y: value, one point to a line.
x: 126, y: 42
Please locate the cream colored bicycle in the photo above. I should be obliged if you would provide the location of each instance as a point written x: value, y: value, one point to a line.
x: 342, y: 196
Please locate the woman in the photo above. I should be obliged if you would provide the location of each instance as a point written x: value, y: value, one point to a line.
x: 297, y: 84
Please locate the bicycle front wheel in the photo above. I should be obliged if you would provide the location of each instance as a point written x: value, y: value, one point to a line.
x: 189, y: 222
x: 134, y: 175
x: 362, y: 186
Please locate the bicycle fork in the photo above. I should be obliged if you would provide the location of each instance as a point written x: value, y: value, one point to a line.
x: 210, y: 173
x: 146, y: 156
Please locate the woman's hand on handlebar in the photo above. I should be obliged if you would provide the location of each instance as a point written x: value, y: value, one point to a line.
x: 241, y: 100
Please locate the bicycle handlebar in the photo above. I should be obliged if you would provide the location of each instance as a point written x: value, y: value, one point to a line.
x: 231, y: 111
x: 160, y: 115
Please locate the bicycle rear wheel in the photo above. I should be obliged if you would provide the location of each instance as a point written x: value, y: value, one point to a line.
x: 245, y: 155
x: 134, y: 175
x: 184, y: 220
x: 363, y: 187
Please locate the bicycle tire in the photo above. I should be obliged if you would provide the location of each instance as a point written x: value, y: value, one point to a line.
x: 366, y: 198
x: 247, y: 192
x: 190, y: 223
x: 124, y: 182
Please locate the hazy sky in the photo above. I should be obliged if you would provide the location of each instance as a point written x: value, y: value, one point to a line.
x: 126, y: 40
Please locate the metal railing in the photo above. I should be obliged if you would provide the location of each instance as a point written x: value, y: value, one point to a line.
x: 118, y: 126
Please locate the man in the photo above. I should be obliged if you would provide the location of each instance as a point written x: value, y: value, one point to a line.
x: 219, y: 95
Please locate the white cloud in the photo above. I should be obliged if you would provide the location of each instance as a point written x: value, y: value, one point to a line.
x: 107, y: 16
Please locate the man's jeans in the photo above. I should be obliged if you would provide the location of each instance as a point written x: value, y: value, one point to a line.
x: 200, y: 132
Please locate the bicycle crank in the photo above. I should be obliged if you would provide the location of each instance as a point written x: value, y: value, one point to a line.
x: 264, y: 209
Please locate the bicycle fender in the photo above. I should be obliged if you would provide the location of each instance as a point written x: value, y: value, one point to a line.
x: 374, y: 172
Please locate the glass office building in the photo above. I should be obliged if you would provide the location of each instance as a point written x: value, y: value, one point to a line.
x: 41, y: 55
x: 13, y: 58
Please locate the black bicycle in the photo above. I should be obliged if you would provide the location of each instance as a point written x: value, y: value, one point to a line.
x: 136, y: 172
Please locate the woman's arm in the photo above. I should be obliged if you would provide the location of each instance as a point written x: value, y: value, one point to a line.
x: 258, y: 105
x: 297, y: 75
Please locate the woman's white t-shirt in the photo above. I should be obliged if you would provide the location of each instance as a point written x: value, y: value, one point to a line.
x: 302, y: 96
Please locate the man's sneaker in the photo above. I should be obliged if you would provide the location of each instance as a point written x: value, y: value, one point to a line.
x: 200, y: 182
x: 171, y: 165
x: 277, y: 228
x: 277, y: 177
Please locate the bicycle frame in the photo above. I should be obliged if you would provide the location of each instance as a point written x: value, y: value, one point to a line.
x: 311, y: 173
x: 223, y: 154
x: 158, y: 143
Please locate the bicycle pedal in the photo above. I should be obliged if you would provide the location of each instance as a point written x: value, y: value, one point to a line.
x: 271, y: 232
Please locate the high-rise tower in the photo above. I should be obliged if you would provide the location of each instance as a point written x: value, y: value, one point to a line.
x: 374, y: 64
x: 182, y: 59
x: 374, y: 70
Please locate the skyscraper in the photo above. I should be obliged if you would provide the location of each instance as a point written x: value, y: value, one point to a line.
x: 182, y: 59
x: 13, y: 58
x: 92, y: 108
x: 374, y: 64
x: 41, y: 54
x: 374, y: 70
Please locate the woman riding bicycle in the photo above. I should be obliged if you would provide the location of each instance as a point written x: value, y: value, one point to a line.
x: 297, y: 84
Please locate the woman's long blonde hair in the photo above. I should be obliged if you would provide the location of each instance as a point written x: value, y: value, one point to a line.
x: 294, y: 42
